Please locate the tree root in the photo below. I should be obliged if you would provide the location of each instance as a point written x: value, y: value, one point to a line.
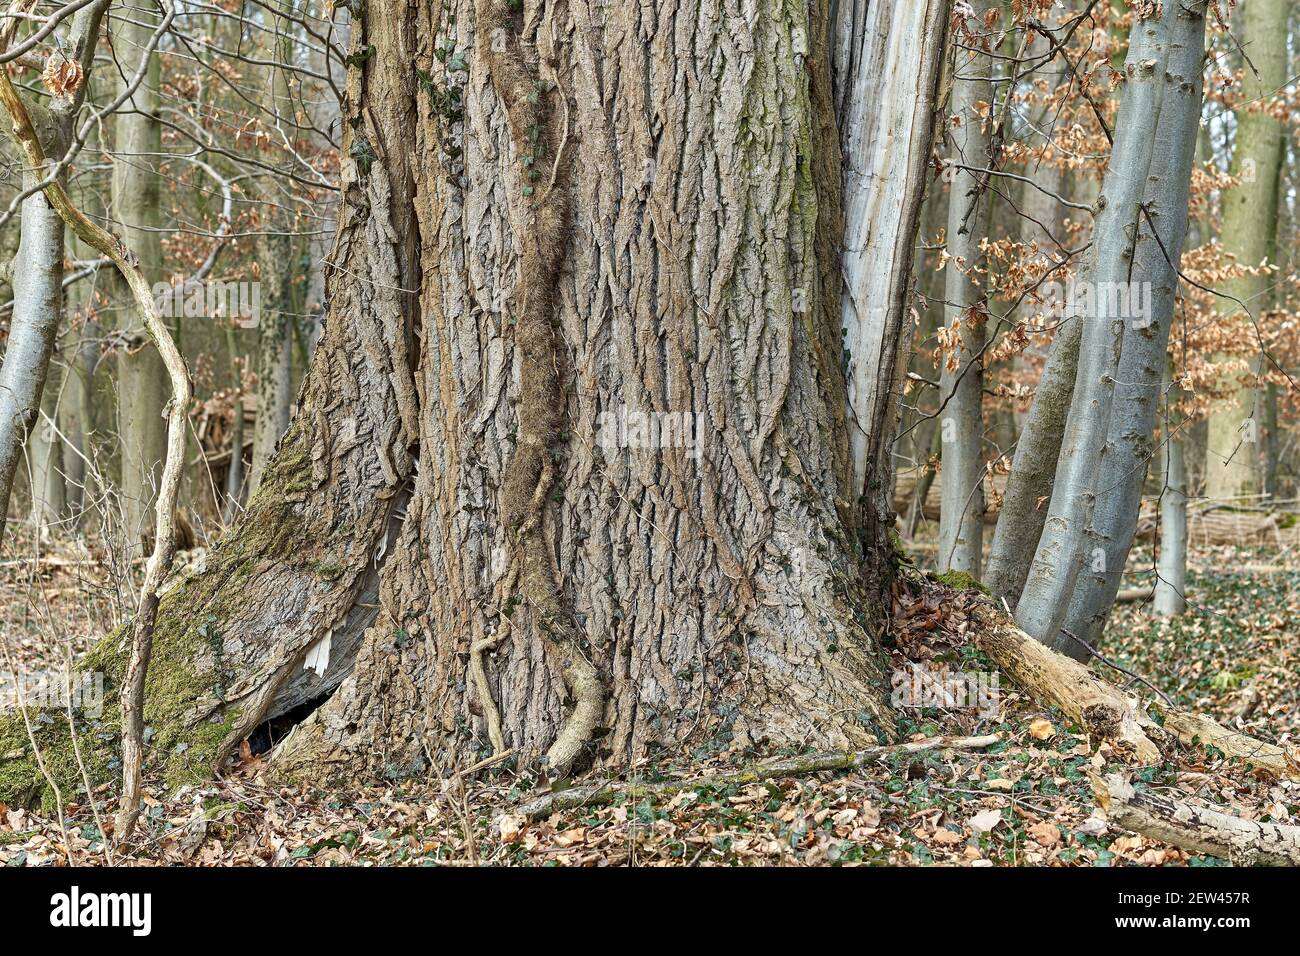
x: 609, y: 791
x: 1195, y: 828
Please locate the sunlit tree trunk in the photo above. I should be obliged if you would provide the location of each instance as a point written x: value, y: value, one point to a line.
x: 961, y: 391
x: 1249, y: 228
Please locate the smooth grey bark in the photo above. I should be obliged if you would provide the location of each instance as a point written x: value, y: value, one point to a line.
x: 1170, y: 597
x: 1128, y: 452
x: 142, y: 385
x: 77, y: 419
x: 38, y: 276
x: 1033, y: 469
x: 274, y: 358
x: 961, y: 514
x: 1248, y: 232
x: 1107, y: 444
x: 274, y: 333
x: 887, y: 62
x: 49, y: 496
x: 38, y: 297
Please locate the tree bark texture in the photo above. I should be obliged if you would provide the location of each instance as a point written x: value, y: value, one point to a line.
x: 571, y: 469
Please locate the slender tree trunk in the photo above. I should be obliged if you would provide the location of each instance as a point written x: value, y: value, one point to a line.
x: 142, y: 386
x: 1033, y: 469
x: 38, y: 299
x: 1139, y: 233
x: 1249, y: 224
x: 888, y: 58
x: 77, y: 418
x: 570, y: 472
x: 45, y: 453
x: 275, y: 331
x: 1171, y: 570
x: 274, y: 355
x: 961, y: 391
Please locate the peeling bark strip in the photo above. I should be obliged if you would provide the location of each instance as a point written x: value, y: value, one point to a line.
x: 887, y: 58
x: 1195, y: 828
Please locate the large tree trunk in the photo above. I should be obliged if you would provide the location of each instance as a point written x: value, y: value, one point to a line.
x: 1249, y: 229
x: 571, y: 470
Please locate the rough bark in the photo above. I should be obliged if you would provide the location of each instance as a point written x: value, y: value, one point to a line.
x: 708, y: 579
x: 1140, y: 227
x: 1249, y: 223
x: 961, y: 383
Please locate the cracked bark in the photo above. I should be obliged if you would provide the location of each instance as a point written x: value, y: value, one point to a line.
x: 713, y: 584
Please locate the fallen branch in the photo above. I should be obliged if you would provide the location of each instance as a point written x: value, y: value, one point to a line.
x: 1196, y: 828
x: 608, y: 791
x: 1106, y: 712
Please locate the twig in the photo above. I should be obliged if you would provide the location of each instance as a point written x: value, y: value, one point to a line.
x: 1123, y: 670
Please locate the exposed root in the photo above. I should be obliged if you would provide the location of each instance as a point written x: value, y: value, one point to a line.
x: 529, y: 481
x: 608, y: 791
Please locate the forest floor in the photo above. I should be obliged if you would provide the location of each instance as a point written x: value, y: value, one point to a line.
x: 1024, y: 801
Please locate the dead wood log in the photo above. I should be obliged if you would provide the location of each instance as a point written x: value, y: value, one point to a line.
x: 1196, y: 828
x: 1106, y: 712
